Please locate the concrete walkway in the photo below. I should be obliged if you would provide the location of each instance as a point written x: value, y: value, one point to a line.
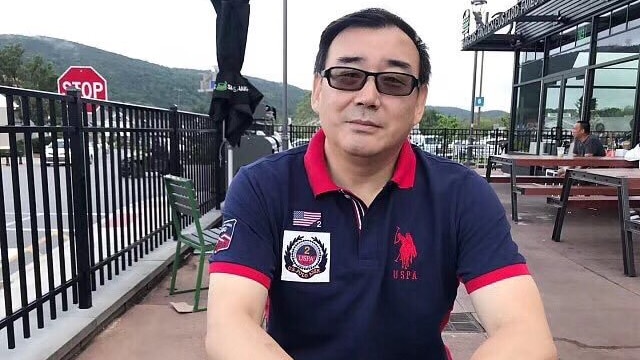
x: 593, y: 309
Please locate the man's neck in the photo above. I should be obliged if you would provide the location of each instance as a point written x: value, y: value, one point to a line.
x: 364, y: 177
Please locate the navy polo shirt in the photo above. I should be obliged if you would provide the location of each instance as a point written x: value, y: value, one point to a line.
x: 347, y: 281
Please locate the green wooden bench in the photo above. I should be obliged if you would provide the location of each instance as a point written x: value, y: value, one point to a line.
x: 199, y: 235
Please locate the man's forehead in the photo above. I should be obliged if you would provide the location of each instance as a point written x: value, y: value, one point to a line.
x: 353, y: 46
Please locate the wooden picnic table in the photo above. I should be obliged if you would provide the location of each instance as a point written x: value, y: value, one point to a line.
x: 624, y: 180
x: 549, y: 161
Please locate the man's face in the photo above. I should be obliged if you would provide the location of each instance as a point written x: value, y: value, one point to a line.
x: 366, y: 122
x: 577, y: 131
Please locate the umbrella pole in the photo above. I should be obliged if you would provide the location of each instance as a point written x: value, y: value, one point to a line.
x: 285, y: 117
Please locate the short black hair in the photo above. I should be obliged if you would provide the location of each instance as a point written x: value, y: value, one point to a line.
x: 586, y: 126
x: 372, y: 18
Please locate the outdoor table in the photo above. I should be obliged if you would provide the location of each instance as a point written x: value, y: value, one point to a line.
x: 514, y: 160
x: 622, y: 179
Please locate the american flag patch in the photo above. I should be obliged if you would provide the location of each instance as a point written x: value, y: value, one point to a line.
x: 307, y: 218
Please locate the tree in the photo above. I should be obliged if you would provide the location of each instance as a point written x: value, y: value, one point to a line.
x: 11, y: 65
x: 304, y: 113
x: 429, y: 119
x: 485, y: 124
x: 36, y: 73
x: 39, y: 74
x: 447, y: 122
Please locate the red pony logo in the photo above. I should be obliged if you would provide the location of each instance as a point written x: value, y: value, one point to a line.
x: 407, y: 251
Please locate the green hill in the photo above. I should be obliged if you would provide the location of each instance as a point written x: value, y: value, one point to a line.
x: 464, y: 115
x: 140, y: 82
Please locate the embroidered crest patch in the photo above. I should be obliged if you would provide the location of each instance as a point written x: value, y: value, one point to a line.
x: 305, y: 256
x: 226, y: 235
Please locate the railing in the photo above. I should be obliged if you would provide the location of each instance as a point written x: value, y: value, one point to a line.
x: 455, y: 144
x: 474, y: 147
x: 88, y: 200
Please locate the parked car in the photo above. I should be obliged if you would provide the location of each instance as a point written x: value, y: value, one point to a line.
x: 62, y: 159
x: 429, y: 143
x: 136, y: 162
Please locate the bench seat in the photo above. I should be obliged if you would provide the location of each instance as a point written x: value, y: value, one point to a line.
x: 593, y: 201
x: 540, y: 189
x: 505, y: 179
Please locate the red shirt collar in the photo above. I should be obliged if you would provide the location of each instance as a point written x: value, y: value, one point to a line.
x: 318, y: 173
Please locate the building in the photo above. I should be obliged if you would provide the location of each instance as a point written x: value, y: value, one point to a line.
x: 566, y: 51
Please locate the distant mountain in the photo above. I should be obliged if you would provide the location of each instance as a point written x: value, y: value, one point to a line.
x: 140, y: 82
x: 464, y: 115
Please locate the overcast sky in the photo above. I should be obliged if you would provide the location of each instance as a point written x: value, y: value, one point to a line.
x: 181, y: 33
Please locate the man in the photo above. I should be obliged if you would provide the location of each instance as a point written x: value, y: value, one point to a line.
x: 359, y: 240
x: 586, y: 144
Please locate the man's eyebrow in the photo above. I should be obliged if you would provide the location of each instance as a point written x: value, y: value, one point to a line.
x: 391, y: 62
x: 349, y: 59
x: 399, y: 63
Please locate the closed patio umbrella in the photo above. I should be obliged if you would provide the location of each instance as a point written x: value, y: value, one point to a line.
x: 234, y: 97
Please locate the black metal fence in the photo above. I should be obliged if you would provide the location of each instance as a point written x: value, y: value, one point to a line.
x: 474, y: 147
x: 88, y: 200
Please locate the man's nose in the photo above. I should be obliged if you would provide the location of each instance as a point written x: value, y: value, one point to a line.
x: 369, y: 94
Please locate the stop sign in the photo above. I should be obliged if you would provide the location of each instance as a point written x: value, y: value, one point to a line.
x: 87, y: 79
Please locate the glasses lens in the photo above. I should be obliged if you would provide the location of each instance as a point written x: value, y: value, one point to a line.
x: 395, y: 83
x: 346, y: 78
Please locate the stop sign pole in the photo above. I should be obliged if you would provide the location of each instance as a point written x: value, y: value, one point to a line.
x: 86, y: 79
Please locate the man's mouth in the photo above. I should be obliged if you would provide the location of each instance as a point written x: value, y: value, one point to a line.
x: 364, y: 123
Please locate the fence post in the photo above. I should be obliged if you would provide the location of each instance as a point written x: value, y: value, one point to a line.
x: 79, y: 181
x: 174, y: 142
x: 218, y: 171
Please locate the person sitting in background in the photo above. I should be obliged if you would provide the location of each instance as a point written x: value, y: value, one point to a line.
x: 585, y: 143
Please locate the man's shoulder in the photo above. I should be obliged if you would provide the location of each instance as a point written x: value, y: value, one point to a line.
x: 594, y: 139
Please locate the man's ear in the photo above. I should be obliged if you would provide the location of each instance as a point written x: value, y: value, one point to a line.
x: 315, y: 93
x: 421, y: 103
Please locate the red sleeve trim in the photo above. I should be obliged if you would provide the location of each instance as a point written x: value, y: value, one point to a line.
x: 240, y: 270
x: 496, y: 275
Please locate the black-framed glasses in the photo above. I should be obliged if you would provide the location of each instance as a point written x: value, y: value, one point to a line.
x: 387, y: 82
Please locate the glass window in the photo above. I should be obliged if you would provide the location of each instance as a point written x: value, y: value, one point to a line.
x: 614, y: 93
x: 572, y: 105
x: 619, y: 20
x: 568, y: 39
x: 618, y: 46
x: 583, y: 34
x: 531, y: 71
x: 531, y: 68
x: 634, y: 14
x: 526, y: 121
x: 603, y: 25
x: 572, y: 59
x: 528, y: 103
x: 554, y: 44
x: 551, y: 104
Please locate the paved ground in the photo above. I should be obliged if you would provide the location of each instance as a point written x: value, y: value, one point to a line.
x: 593, y: 309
